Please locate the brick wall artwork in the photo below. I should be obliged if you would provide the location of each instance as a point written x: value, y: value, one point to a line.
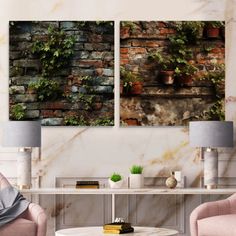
x: 62, y: 72
x: 171, y: 72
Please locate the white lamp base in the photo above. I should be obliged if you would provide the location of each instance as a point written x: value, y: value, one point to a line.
x: 24, y: 169
x: 210, y: 168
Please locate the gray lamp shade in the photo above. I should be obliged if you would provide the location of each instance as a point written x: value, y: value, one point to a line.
x: 22, y: 134
x: 211, y: 134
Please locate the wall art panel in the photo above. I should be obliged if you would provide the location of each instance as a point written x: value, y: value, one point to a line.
x: 62, y: 72
x: 172, y: 72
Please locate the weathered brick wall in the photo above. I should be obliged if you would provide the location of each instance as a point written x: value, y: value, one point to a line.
x: 159, y: 104
x: 93, y: 56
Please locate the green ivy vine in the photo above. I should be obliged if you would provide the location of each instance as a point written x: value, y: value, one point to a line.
x: 18, y: 111
x: 55, y: 52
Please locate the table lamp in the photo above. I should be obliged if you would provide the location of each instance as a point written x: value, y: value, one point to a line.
x: 25, y: 135
x: 210, y: 135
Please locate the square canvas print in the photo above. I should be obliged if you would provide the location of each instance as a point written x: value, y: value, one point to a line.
x: 171, y: 72
x: 62, y: 72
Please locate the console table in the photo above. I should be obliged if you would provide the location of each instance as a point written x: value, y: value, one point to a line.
x: 114, y: 192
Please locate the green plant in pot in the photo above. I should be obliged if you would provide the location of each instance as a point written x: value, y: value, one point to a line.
x: 184, y: 73
x: 213, y: 28
x: 130, y: 82
x: 166, y: 65
x: 136, y: 177
x: 115, y: 180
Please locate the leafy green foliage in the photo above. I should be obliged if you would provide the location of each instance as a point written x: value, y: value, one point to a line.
x: 215, y: 24
x: 75, y: 121
x: 185, y: 69
x: 129, y: 24
x: 136, y: 169
x: 18, y: 111
x: 165, y: 62
x: 217, y: 111
x: 55, y: 52
x: 103, y: 122
x: 115, y: 177
x: 218, y: 75
x: 46, y: 89
x: 189, y: 31
x: 82, y: 96
x: 179, y: 50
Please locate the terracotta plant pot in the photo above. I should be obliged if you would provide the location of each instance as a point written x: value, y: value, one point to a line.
x: 212, y: 32
x: 137, y: 88
x: 124, y: 32
x: 186, y: 80
x: 167, y: 77
x: 132, y: 122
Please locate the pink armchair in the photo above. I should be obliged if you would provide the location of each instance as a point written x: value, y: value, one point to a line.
x: 214, y: 218
x: 33, y: 222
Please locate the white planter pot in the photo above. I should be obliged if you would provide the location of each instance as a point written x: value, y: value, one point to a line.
x: 113, y: 184
x: 135, y: 180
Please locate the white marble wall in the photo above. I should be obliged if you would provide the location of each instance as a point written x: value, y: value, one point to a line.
x: 100, y: 151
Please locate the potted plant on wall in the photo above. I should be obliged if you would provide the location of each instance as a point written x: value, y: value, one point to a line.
x: 115, y: 181
x: 136, y: 177
x: 166, y: 65
x: 184, y: 74
x: 130, y: 82
x: 213, y: 28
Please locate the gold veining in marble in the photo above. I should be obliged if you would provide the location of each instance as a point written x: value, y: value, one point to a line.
x: 57, y: 6
x: 169, y: 155
x: 42, y: 164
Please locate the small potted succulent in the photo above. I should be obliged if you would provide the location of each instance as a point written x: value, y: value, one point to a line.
x: 130, y: 82
x: 136, y: 177
x: 213, y: 28
x: 166, y: 65
x: 115, y: 181
x: 184, y: 74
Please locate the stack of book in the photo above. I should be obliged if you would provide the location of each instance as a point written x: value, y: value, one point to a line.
x: 117, y: 228
x: 87, y: 184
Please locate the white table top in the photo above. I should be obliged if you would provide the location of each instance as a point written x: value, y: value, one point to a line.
x: 67, y: 191
x: 98, y: 231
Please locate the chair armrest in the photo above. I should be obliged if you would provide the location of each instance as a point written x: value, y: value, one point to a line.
x: 36, y: 214
x: 208, y: 209
x: 3, y: 182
